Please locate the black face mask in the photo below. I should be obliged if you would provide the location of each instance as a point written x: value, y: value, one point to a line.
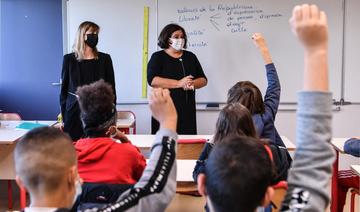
x: 92, y: 40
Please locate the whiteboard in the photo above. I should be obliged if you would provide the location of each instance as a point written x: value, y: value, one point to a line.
x: 121, y: 36
x: 219, y: 33
x: 352, y: 50
x: 225, y: 52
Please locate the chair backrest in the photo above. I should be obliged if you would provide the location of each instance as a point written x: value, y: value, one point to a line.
x: 127, y: 115
x: 189, y: 149
x: 10, y: 116
x: 280, y: 192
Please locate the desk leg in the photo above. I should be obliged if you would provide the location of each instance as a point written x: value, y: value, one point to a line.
x: 334, y: 185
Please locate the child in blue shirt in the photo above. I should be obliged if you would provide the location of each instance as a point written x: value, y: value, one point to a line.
x: 352, y: 147
x: 263, y: 111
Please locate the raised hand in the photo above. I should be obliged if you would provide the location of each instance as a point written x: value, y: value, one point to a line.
x: 260, y: 43
x: 309, y: 25
x: 259, y: 40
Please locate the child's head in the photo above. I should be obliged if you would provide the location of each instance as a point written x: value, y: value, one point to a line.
x: 234, y: 119
x: 238, y: 175
x: 98, y: 112
x: 45, y: 164
x: 248, y: 94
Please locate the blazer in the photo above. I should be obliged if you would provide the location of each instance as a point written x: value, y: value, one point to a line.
x: 70, y: 76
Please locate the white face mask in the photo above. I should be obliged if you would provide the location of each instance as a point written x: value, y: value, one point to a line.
x: 78, y: 190
x: 177, y: 44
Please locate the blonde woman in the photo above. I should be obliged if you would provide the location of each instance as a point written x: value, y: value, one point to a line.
x: 83, y: 66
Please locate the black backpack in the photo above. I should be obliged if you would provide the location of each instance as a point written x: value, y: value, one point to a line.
x: 282, y: 161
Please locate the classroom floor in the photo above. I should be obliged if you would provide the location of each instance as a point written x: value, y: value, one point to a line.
x: 181, y: 203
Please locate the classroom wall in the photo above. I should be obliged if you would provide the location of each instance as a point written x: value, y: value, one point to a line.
x: 30, y: 57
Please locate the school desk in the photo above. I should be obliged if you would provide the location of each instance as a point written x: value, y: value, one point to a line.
x: 356, y: 169
x: 184, y: 179
x: 184, y: 170
x: 144, y: 142
x: 8, y: 137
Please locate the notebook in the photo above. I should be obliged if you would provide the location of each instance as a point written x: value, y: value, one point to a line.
x: 29, y: 125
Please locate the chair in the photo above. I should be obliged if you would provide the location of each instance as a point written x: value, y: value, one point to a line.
x: 13, y: 117
x: 189, y: 149
x: 10, y: 116
x: 280, y: 192
x: 125, y: 121
x: 352, y: 202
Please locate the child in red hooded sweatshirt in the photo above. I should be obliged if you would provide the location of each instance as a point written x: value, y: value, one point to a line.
x: 105, y: 155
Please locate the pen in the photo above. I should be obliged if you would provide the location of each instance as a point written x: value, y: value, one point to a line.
x: 77, y: 96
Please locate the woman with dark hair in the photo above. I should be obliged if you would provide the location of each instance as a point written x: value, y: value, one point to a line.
x: 180, y: 71
x: 103, y: 143
x: 83, y: 66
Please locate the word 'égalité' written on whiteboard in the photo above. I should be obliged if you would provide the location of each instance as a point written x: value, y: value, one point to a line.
x: 224, y: 18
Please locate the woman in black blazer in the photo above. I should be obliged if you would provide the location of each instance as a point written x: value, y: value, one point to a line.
x: 84, y: 66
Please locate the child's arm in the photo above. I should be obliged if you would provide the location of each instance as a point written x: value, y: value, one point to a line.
x: 157, y: 185
x: 260, y: 43
x: 140, y: 165
x: 272, y: 96
x: 201, y: 162
x: 311, y: 170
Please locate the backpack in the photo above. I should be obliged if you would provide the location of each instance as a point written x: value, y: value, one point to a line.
x: 282, y: 161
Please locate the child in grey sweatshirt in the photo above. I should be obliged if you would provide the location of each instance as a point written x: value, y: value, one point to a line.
x: 156, y: 188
